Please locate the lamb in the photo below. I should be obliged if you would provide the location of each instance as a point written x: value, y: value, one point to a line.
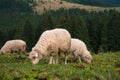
x: 79, y: 49
x: 14, y: 46
x: 51, y: 41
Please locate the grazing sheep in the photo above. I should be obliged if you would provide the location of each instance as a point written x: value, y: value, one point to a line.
x: 13, y: 46
x: 79, y: 49
x: 51, y: 41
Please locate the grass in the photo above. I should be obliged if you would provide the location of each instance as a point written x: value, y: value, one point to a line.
x: 105, y: 66
x: 50, y: 5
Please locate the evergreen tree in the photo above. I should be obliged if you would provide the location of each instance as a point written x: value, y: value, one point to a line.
x: 10, y: 33
x: 79, y: 29
x: 114, y: 32
x: 2, y: 40
x: 104, y: 34
x: 95, y: 30
x: 64, y: 21
x: 45, y: 23
x: 28, y: 34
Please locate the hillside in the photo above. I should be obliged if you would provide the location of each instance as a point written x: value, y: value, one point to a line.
x: 46, y: 5
x: 40, y: 6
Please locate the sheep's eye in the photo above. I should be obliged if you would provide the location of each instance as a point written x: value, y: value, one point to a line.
x: 34, y: 57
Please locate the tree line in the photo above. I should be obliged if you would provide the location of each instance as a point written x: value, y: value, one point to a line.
x: 99, y: 30
x: 105, y: 3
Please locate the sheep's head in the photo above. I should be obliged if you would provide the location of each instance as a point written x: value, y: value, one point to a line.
x: 87, y: 57
x: 35, y: 57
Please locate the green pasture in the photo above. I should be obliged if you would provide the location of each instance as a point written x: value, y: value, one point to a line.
x: 105, y: 66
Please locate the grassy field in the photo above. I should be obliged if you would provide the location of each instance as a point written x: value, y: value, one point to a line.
x: 55, y: 5
x: 105, y: 66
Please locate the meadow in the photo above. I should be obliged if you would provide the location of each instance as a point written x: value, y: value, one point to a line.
x: 105, y: 66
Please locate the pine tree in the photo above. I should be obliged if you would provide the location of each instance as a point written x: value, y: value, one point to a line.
x: 79, y: 28
x: 104, y: 34
x: 28, y: 34
x: 114, y: 32
x: 64, y: 21
x: 47, y: 21
x: 95, y: 30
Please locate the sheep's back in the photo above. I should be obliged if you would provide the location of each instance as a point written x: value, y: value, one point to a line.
x: 55, y: 39
x: 77, y: 44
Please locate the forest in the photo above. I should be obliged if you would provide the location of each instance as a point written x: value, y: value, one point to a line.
x: 99, y: 30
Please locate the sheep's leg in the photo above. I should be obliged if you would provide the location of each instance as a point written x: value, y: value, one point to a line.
x: 66, y: 60
x: 75, y: 57
x: 19, y: 51
x: 51, y: 59
x: 58, y: 58
x: 79, y: 59
x: 66, y: 57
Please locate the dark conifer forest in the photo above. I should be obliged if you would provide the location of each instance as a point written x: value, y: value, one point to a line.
x: 99, y: 30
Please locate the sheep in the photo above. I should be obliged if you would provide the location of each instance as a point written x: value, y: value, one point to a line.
x: 51, y: 41
x: 14, y: 46
x: 79, y: 50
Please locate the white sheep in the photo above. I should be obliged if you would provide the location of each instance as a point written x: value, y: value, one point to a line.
x: 13, y: 46
x: 51, y: 41
x: 79, y: 49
